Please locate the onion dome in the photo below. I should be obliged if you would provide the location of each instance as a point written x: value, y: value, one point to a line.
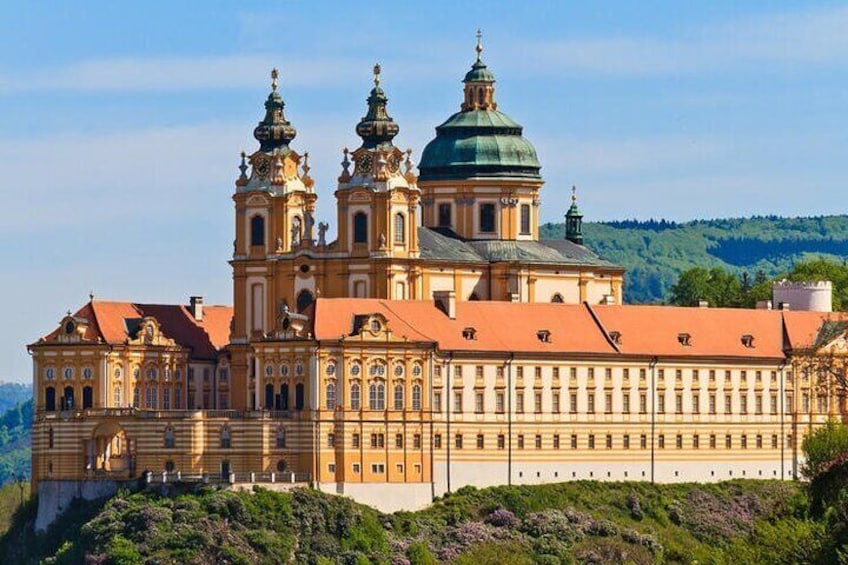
x: 274, y: 131
x: 479, y: 141
x: 377, y: 127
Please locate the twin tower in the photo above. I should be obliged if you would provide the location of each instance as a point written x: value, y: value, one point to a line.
x: 465, y: 225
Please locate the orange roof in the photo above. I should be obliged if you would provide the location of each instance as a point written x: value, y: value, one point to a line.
x: 111, y: 322
x: 802, y: 328
x: 499, y: 326
x: 506, y: 327
x: 712, y: 332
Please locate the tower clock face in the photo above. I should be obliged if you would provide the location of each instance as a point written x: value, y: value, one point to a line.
x: 394, y: 163
x: 364, y: 164
x: 262, y: 168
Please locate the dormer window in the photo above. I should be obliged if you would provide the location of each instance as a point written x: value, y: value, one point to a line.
x: 70, y: 327
x: 748, y: 340
x: 615, y: 337
x: 684, y: 339
x: 544, y: 336
x: 469, y: 334
x: 375, y: 326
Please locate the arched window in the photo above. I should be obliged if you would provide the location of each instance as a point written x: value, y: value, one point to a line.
x: 136, y: 397
x: 416, y: 397
x: 298, y: 396
x: 360, y: 227
x: 557, y: 298
x: 377, y: 396
x: 68, y: 398
x: 400, y: 228
x: 284, y: 396
x: 269, y: 396
x: 304, y: 300
x: 331, y: 396
x: 50, y: 399
x: 87, y: 397
x: 257, y: 230
x: 169, y: 466
x: 178, y: 398
x: 354, y: 396
x: 487, y: 217
x: 281, y: 437
x: 116, y: 396
x: 399, y: 396
x: 170, y: 442
x: 226, y: 437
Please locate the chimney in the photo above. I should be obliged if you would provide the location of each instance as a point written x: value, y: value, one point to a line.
x: 513, y: 297
x: 703, y: 304
x: 763, y: 304
x: 446, y: 302
x: 784, y: 306
x: 608, y: 299
x: 196, y: 307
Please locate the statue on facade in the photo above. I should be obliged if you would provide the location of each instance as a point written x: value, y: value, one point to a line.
x: 322, y: 233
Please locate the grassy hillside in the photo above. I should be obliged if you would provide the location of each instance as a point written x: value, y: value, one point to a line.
x: 656, y: 252
x: 585, y: 522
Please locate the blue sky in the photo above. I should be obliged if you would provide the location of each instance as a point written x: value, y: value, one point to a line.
x: 120, y: 126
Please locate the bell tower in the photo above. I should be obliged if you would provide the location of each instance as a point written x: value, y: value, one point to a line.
x: 378, y: 201
x: 274, y: 211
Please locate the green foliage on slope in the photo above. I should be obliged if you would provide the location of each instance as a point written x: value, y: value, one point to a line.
x: 576, y: 522
x: 15, y: 442
x: 12, y: 394
x: 655, y: 253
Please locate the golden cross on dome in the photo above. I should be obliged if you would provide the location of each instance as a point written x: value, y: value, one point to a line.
x: 573, y: 193
x: 377, y: 70
x: 479, y: 43
x: 275, y: 74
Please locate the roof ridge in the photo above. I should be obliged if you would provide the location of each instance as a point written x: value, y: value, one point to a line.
x: 601, y: 327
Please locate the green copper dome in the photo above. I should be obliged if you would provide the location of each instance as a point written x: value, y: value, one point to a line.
x: 479, y: 141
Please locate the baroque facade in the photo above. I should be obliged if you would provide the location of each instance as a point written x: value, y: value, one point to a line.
x: 436, y: 342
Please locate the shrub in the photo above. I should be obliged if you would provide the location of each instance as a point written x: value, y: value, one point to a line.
x: 419, y: 554
x: 502, y: 518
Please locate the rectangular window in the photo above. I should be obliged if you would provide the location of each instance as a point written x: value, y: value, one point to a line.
x: 774, y: 442
x: 625, y: 403
x: 457, y: 402
x: 478, y: 371
x: 525, y: 219
x: 437, y: 441
x: 416, y: 441
x: 399, y: 441
x: 520, y: 441
x: 478, y: 402
x: 555, y: 402
x: 679, y: 441
x: 499, y: 371
x: 355, y: 440
x: 556, y: 441
x: 728, y: 441
x: 356, y: 468
x: 573, y: 442
x: 774, y: 404
x: 573, y: 402
x: 437, y: 401
x: 728, y: 404
x: 678, y: 403
x: 556, y: 373
x: 487, y: 217
x: 591, y: 403
x: 661, y: 403
x: 712, y: 441
x: 743, y: 441
x: 458, y: 441
x: 378, y: 468
x: 501, y: 441
x: 591, y: 441
x: 519, y: 402
x: 499, y: 402
x: 643, y: 441
x: 608, y: 403
x: 609, y: 441
x: 712, y: 403
x: 759, y: 441
x: 573, y: 372
x: 696, y: 441
x: 458, y: 371
x: 643, y: 403
x: 625, y: 441
x: 538, y: 442
x: 758, y: 403
x: 537, y: 402
x: 696, y: 404
x: 480, y: 441
x: 743, y: 404
x: 519, y: 372
x: 331, y: 440
x: 445, y: 215
x: 538, y: 372
x: 661, y: 441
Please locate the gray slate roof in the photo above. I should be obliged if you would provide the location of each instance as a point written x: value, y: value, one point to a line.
x: 441, y: 244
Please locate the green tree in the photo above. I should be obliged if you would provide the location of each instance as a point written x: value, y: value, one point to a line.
x: 824, y: 446
x: 717, y: 286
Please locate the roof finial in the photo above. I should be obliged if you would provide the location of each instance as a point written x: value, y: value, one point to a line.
x: 275, y: 74
x: 479, y: 44
x: 377, y: 70
x: 574, y: 194
x: 90, y: 295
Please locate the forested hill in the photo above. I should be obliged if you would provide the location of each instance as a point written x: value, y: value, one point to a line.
x: 655, y: 252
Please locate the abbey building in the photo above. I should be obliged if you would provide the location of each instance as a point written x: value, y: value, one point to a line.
x: 436, y: 342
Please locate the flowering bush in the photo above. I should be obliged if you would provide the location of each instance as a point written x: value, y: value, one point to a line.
x: 502, y: 518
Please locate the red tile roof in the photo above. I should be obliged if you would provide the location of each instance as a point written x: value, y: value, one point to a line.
x: 802, y: 328
x: 110, y: 322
